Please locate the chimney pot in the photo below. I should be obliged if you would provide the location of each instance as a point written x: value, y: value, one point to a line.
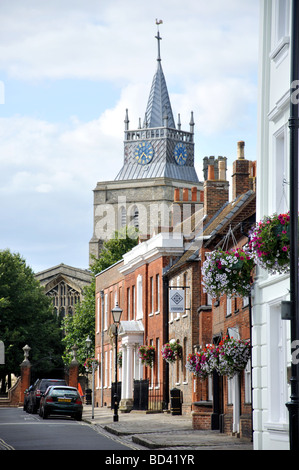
x: 177, y: 194
x: 194, y: 193
x: 211, y: 172
x: 185, y: 194
x: 240, y: 151
x: 221, y: 170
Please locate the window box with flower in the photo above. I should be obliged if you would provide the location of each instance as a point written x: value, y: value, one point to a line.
x: 228, y: 272
x: 147, y: 355
x: 171, y: 351
x: 269, y: 242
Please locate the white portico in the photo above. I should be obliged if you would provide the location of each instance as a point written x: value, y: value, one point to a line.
x: 131, y: 334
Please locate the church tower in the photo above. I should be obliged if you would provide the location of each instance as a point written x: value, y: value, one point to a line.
x: 158, y: 159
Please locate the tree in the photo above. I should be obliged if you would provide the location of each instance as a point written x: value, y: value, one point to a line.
x: 82, y: 324
x: 26, y: 317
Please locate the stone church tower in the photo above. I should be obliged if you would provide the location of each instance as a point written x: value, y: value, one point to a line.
x: 158, y: 159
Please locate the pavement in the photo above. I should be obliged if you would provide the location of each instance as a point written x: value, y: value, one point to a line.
x: 140, y: 430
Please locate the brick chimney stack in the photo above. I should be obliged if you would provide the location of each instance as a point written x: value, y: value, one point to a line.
x: 241, y: 182
x: 186, y: 202
x: 216, y: 191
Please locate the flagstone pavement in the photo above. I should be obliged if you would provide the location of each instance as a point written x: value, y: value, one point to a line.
x: 144, y: 431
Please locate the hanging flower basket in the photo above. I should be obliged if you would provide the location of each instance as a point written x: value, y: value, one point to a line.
x: 233, y: 355
x: 270, y: 243
x: 147, y: 355
x: 171, y: 351
x: 228, y: 272
x: 203, y: 362
x: 88, y: 363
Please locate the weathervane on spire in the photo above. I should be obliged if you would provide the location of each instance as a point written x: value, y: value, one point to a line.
x: 158, y: 37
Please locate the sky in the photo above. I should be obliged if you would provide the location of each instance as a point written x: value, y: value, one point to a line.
x: 69, y: 70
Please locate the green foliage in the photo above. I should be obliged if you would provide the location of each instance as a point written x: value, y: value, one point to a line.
x: 82, y: 324
x: 113, y: 249
x: 26, y: 317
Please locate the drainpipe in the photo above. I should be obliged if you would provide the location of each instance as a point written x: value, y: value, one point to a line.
x: 102, y: 346
x: 166, y: 336
x: 293, y: 405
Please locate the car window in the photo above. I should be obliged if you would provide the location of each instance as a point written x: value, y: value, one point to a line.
x: 58, y: 392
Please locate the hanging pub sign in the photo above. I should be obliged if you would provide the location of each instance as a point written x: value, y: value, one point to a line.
x: 176, y: 300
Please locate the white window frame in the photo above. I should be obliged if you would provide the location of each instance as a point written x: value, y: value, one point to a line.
x: 139, y: 312
x: 157, y: 293
x: 105, y: 311
x: 228, y: 305
x: 279, y: 177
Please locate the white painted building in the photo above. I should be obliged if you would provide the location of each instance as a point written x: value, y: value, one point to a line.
x: 270, y: 335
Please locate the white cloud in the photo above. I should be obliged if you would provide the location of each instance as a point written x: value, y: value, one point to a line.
x: 49, y: 168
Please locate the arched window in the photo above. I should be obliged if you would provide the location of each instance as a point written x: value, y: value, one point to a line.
x: 122, y: 217
x: 135, y: 217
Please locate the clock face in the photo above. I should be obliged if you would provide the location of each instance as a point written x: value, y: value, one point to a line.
x: 180, y: 154
x: 144, y: 153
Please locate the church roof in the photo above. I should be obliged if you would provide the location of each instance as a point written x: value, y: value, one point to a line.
x: 159, y: 129
x: 161, y: 168
x: 158, y: 106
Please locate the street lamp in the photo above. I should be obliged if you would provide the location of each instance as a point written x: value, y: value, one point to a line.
x: 116, y: 314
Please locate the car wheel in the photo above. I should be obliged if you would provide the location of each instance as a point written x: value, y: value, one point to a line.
x: 45, y: 415
x: 78, y: 417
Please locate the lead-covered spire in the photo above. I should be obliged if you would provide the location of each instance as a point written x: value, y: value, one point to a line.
x: 158, y: 105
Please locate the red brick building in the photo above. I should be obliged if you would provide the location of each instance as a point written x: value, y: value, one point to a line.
x: 136, y: 283
x: 230, y: 407
x: 141, y: 284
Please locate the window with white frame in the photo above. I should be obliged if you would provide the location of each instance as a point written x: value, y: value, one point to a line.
x: 151, y: 296
x: 98, y: 372
x: 281, y: 19
x: 128, y: 303
x: 133, y: 303
x: 280, y: 30
x: 277, y: 365
x: 98, y: 314
x: 106, y: 312
x: 151, y: 384
x: 158, y: 363
x: 139, y: 313
x: 157, y: 293
x: 110, y: 368
x: 228, y: 305
x: 230, y: 391
x: 106, y: 370
x: 185, y: 345
x: 280, y: 188
x: 247, y: 380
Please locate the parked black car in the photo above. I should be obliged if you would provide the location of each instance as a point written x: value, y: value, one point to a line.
x: 61, y: 400
x: 38, y: 390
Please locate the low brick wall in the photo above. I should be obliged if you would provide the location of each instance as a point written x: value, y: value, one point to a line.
x: 14, y: 397
x: 201, y: 420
